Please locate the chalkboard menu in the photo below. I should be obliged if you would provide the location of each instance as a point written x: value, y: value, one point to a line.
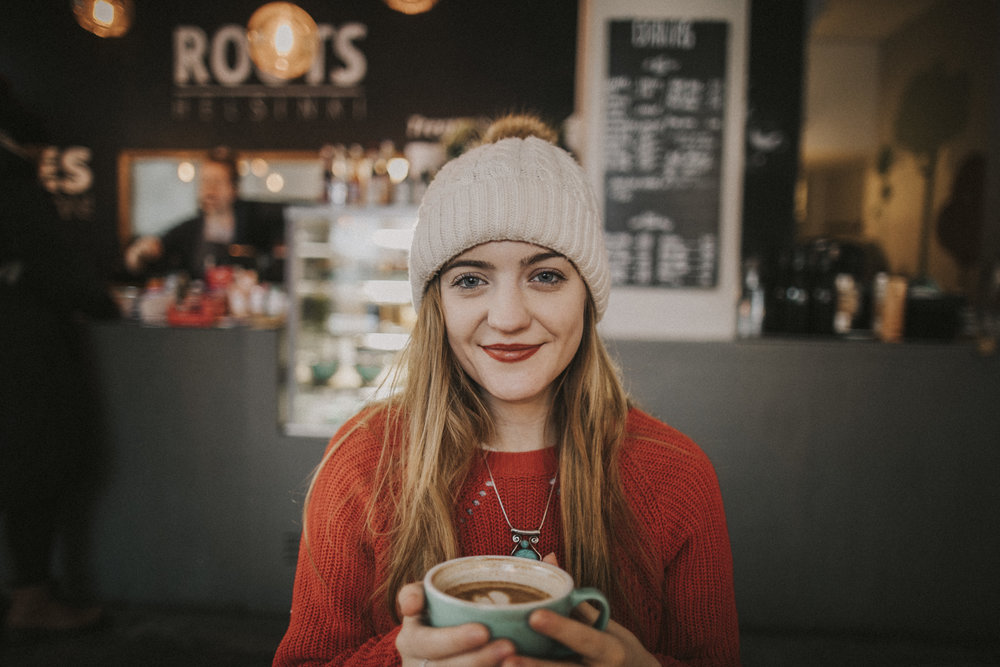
x: 665, y: 92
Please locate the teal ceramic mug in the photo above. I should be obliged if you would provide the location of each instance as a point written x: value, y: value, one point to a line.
x: 501, y: 592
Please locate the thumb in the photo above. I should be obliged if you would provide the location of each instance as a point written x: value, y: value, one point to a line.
x: 551, y: 559
x: 410, y: 600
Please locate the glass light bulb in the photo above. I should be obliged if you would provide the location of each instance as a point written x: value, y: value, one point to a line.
x: 104, y: 18
x: 259, y: 167
x: 185, y: 172
x: 104, y: 12
x: 283, y: 39
x: 398, y: 168
x: 275, y: 182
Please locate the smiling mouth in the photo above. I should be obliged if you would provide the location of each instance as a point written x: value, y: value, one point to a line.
x: 511, y: 353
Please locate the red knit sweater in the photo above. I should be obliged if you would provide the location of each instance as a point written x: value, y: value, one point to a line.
x: 686, y: 616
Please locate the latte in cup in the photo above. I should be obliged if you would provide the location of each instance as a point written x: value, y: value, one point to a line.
x: 496, y: 592
x: 501, y: 592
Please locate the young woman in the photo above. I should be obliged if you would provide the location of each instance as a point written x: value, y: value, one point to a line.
x: 511, y: 434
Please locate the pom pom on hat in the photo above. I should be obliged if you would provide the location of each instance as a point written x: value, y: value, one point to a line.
x: 519, y: 188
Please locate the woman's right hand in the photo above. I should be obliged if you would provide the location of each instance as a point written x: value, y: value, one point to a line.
x: 420, y: 645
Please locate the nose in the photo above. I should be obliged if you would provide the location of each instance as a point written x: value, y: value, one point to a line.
x: 508, y: 310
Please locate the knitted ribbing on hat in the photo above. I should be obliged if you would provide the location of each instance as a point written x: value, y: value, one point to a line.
x: 512, y: 190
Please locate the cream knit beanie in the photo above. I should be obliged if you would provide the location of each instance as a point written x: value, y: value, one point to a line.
x: 512, y: 190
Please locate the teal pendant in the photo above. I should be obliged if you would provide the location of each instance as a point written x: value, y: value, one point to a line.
x: 525, y: 541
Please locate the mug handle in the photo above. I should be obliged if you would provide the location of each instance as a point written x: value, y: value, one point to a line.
x: 592, y: 595
x: 585, y: 595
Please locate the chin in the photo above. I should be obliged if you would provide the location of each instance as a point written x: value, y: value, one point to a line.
x: 515, y: 395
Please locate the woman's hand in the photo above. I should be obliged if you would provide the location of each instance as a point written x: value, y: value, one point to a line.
x: 420, y: 645
x: 614, y: 646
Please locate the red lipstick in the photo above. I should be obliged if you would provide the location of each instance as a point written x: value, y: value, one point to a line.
x: 510, y: 354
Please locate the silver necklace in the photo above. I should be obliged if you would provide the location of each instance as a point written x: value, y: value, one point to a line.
x: 524, y: 540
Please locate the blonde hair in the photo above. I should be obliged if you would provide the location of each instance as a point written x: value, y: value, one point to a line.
x: 444, y: 420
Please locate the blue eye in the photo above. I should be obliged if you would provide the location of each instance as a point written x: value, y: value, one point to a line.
x: 548, y: 277
x: 467, y: 281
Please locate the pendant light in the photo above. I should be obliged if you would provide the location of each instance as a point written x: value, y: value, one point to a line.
x: 282, y: 39
x: 411, y: 6
x: 104, y: 18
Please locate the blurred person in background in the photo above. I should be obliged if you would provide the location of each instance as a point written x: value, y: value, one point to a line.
x: 226, y: 231
x: 47, y: 429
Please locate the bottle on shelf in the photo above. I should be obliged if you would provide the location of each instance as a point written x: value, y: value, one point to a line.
x: 822, y: 287
x: 335, y: 174
x: 379, y: 186
x: 356, y: 178
x: 890, y: 307
x: 797, y: 294
x: 326, y: 158
x: 750, y: 312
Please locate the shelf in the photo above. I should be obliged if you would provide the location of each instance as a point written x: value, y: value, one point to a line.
x: 349, y: 319
x: 313, y: 250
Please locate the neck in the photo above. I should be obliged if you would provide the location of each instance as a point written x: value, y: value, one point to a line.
x: 521, y: 428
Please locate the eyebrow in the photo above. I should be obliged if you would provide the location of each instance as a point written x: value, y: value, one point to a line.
x: 479, y: 264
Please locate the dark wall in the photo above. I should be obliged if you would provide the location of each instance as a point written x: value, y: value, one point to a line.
x: 859, y: 479
x: 463, y: 58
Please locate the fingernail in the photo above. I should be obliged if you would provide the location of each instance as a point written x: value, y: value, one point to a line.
x: 537, y: 618
x: 503, y: 649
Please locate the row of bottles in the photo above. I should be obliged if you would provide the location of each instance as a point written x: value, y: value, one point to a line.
x: 843, y: 288
x: 355, y: 176
x: 228, y: 296
x: 821, y: 287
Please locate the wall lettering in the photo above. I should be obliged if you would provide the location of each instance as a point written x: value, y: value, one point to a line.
x: 66, y: 174
x: 214, y: 77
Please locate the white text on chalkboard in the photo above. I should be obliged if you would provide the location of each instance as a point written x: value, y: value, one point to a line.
x: 663, y: 35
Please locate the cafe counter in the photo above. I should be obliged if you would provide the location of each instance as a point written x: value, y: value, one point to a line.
x: 859, y: 478
x: 202, y: 491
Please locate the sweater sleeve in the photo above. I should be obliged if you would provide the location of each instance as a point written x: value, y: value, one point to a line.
x: 700, y: 615
x: 682, y: 502
x: 334, y: 619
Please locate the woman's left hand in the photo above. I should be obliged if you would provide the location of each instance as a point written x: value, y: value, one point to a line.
x: 614, y: 646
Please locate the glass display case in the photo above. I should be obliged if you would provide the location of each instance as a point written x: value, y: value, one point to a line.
x: 349, y: 312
